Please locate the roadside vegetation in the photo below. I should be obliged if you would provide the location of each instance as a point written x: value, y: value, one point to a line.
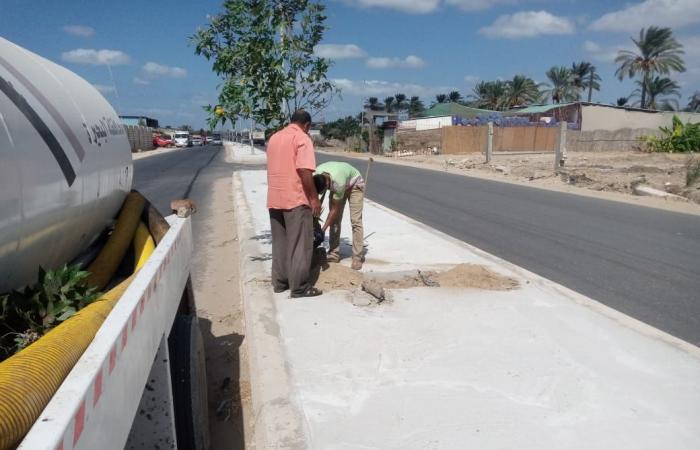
x: 28, y: 314
x: 679, y: 137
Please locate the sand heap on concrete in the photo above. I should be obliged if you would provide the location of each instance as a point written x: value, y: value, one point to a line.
x: 473, y: 276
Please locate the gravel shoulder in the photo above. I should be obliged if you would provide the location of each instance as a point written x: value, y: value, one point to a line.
x: 608, y: 176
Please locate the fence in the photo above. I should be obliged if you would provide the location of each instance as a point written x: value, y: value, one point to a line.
x: 461, y: 140
x: 140, y: 138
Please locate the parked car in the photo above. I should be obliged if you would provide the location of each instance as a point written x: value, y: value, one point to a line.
x: 161, y: 141
x: 197, y: 140
x: 182, y: 139
x: 216, y: 139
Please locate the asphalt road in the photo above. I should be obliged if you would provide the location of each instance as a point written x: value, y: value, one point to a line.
x: 641, y: 261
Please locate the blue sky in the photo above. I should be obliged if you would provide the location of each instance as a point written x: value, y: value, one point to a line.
x: 379, y: 47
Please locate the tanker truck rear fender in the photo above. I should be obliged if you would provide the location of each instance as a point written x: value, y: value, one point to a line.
x: 141, y: 382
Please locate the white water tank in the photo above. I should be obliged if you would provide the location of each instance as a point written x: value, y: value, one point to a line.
x: 65, y: 165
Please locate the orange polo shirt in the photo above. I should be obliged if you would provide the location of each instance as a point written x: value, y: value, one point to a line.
x: 288, y: 150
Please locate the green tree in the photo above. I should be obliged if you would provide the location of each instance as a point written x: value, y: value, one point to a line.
x: 489, y: 94
x: 584, y: 76
x: 263, y: 52
x: 694, y: 102
x: 441, y: 98
x: 521, y: 90
x: 658, y: 92
x: 561, y: 88
x: 657, y: 52
x: 389, y: 104
x: 454, y: 97
x: 400, y: 102
x: 622, y: 101
x: 341, y: 128
x: 373, y: 104
x: 416, y: 108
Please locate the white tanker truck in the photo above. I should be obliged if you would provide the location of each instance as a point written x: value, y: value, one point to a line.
x: 128, y: 375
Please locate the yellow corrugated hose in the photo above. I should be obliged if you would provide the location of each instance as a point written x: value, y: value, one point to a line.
x: 31, y: 377
x: 103, y: 267
x: 143, y: 245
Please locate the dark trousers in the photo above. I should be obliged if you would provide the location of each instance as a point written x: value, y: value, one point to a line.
x: 292, y: 247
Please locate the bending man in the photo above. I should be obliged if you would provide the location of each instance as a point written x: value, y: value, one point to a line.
x: 345, y: 184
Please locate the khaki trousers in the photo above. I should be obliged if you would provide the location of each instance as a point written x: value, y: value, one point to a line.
x: 357, y: 195
x: 292, y: 248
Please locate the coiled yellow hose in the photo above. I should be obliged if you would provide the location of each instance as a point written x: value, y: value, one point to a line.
x: 103, y: 267
x: 31, y: 377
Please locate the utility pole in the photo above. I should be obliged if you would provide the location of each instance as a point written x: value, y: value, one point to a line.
x: 250, y: 135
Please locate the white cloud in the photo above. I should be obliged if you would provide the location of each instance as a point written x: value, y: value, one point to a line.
x: 141, y: 81
x: 526, y: 24
x: 409, y: 6
x: 96, y: 57
x: 159, y: 70
x: 477, y: 5
x: 664, y: 13
x: 368, y: 88
x: 409, y: 62
x: 339, y: 51
x: 79, y: 30
x: 104, y: 88
x: 471, y: 79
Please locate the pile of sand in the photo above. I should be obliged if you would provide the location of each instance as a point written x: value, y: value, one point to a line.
x: 336, y: 276
x: 475, y: 276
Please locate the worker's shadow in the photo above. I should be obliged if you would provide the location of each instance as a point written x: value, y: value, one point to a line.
x: 224, y: 388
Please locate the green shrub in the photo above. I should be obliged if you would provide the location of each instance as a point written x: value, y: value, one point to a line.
x: 680, y: 137
x: 26, y: 315
x: 692, y: 171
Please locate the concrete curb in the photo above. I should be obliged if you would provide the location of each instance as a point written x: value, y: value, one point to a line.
x: 279, y: 423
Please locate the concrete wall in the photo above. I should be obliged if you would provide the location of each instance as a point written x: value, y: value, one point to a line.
x: 418, y: 140
x: 140, y: 138
x: 596, y: 117
x: 607, y: 141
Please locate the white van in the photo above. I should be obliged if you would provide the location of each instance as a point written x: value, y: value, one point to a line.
x: 181, y: 139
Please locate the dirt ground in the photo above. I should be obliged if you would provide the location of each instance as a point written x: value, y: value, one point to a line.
x: 608, y: 175
x: 219, y: 308
x: 335, y: 276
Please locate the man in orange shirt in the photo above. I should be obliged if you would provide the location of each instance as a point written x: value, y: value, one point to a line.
x: 293, y: 203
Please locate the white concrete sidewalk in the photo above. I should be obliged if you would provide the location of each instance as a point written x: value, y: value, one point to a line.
x: 539, y: 367
x: 241, y: 153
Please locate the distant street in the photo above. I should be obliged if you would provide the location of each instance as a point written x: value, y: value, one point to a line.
x: 641, y: 261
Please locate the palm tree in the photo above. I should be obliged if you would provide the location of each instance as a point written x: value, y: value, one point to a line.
x: 415, y: 107
x: 400, y: 102
x: 373, y: 104
x: 521, y: 90
x: 656, y: 88
x: 694, y: 103
x: 584, y: 76
x: 454, y: 97
x: 441, y: 98
x: 658, y: 52
x: 622, y: 101
x: 559, y: 77
x: 389, y: 104
x: 489, y: 94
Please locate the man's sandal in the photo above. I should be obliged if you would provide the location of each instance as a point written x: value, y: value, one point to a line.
x: 309, y: 292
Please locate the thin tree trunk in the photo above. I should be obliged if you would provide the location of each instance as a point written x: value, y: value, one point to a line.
x: 644, y: 91
x: 590, y: 86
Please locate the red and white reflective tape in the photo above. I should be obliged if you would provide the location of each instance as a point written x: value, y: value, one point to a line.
x: 92, y: 396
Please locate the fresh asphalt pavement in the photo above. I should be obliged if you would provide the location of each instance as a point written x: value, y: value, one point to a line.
x: 641, y: 261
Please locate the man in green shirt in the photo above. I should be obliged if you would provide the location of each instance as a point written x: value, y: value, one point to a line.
x: 345, y: 183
